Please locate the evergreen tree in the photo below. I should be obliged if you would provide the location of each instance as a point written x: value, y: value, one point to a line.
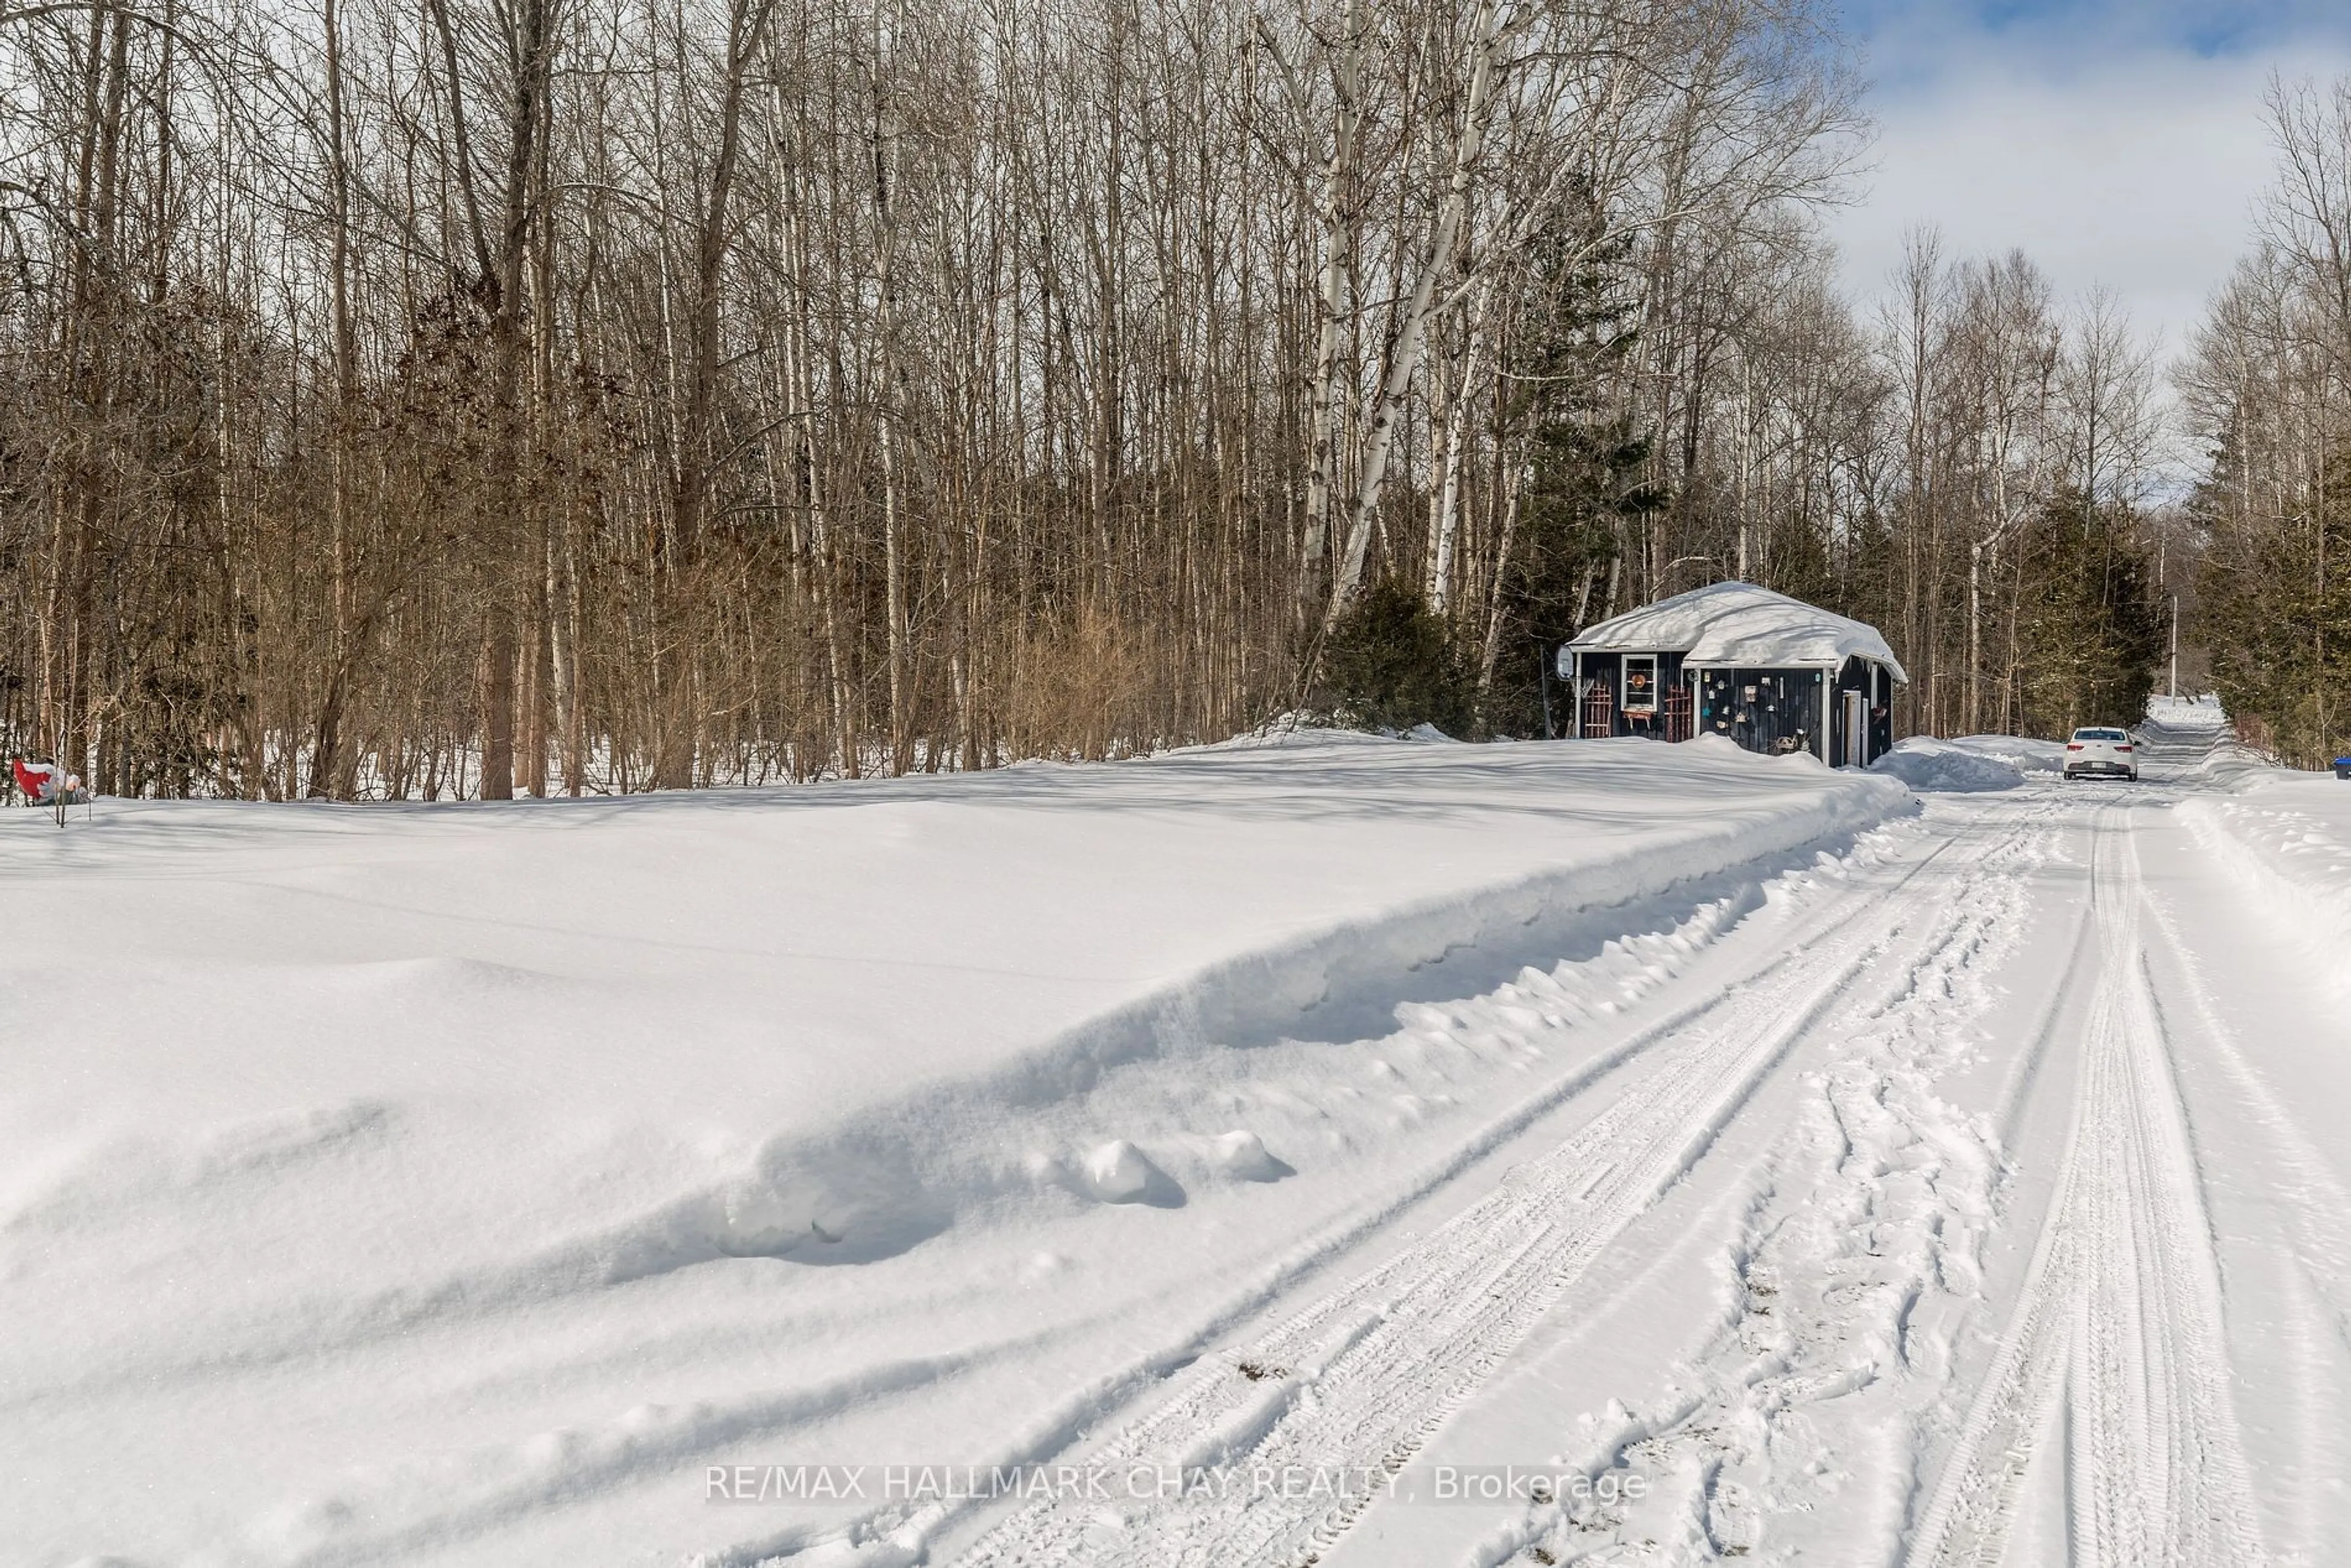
x: 1586, y: 458
x: 1391, y: 664
x: 2090, y: 630
x: 2274, y: 598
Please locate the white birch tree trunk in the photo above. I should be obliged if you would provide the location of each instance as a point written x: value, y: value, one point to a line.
x: 1338, y: 264
x: 1448, y: 493
x: 1380, y: 441
x: 893, y: 551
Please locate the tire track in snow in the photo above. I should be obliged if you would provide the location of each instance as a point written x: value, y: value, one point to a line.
x: 1855, y: 1224
x: 1363, y: 1376
x: 2306, y: 1239
x: 2120, y: 1315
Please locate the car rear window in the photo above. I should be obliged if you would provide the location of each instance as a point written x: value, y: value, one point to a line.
x: 2100, y: 735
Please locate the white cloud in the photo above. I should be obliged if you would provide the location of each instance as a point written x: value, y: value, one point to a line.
x: 2138, y: 169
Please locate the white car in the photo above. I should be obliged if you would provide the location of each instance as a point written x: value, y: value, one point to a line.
x: 2109, y: 752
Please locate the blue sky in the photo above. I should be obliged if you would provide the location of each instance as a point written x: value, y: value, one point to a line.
x: 2115, y: 143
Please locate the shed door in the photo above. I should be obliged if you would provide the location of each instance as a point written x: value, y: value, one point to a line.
x: 1856, y: 729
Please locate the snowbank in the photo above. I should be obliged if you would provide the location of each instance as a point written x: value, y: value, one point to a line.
x: 2201, y: 730
x: 1931, y: 766
x: 2021, y: 752
x: 2202, y: 714
x: 2284, y: 837
x: 452, y: 1183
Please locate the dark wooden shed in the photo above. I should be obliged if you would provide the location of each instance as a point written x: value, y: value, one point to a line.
x: 1770, y: 672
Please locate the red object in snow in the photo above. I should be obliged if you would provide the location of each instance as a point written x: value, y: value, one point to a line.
x: 37, y: 780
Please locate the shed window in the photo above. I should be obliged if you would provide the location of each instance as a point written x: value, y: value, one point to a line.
x: 1640, y: 682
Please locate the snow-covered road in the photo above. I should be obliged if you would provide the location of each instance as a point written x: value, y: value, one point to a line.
x: 1449, y: 1155
x: 1955, y: 1293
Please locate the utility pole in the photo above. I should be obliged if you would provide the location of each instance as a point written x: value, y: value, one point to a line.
x: 2175, y: 647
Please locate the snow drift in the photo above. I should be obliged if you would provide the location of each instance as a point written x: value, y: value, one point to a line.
x: 1931, y: 766
x: 2284, y: 837
x: 448, y: 1184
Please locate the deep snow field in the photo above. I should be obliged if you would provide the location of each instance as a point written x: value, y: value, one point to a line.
x: 454, y: 1183
x: 494, y: 1185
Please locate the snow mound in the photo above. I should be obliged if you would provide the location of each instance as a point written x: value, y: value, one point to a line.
x: 2021, y: 752
x: 1938, y: 766
x: 2285, y: 839
x: 2204, y: 713
x: 2223, y: 762
x: 841, y: 1206
x: 1118, y: 1171
x: 1242, y: 1156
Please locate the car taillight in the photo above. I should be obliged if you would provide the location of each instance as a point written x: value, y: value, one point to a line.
x: 2073, y: 746
x: 2122, y: 748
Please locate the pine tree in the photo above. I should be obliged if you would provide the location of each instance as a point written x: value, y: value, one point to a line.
x: 2274, y: 600
x: 2090, y: 631
x: 1586, y: 458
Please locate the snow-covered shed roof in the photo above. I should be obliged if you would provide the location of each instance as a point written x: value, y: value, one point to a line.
x: 1739, y: 624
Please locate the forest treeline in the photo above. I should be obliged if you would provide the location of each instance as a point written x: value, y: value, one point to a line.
x: 468, y: 397
x: 2268, y: 388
